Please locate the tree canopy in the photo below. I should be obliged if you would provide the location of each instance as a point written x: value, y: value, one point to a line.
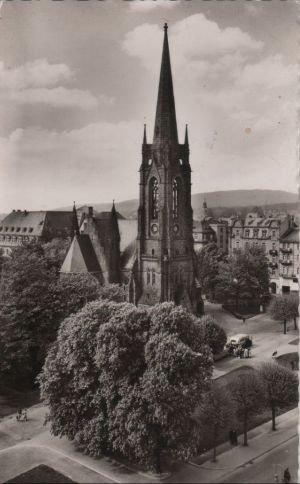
x: 208, y: 262
x: 127, y: 380
x: 213, y: 334
x: 244, y: 278
x: 283, y: 309
x: 33, y: 302
x: 248, y: 394
x: 281, y: 387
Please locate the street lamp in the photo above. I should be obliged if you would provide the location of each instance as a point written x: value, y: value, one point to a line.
x: 236, y: 282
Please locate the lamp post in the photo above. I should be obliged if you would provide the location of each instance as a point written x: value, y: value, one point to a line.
x: 236, y: 283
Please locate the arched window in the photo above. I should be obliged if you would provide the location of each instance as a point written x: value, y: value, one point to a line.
x: 154, y: 198
x: 153, y: 277
x: 175, y: 197
x: 148, y: 276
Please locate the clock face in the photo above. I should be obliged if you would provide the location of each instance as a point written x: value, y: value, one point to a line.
x: 176, y: 228
x: 154, y: 228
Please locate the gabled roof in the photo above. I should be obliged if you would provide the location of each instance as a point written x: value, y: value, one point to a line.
x: 81, y: 256
x: 291, y: 236
x: 23, y: 222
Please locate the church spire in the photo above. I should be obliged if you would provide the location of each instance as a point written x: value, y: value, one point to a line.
x: 75, y: 226
x: 165, y: 128
x: 186, y: 137
x: 145, y: 136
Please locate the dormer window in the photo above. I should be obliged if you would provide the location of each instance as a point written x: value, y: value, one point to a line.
x: 18, y: 229
x: 24, y: 229
x: 1, y: 228
x: 31, y: 229
x: 12, y: 229
x: 6, y: 229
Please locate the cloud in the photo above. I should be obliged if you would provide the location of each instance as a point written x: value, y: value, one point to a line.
x: 38, y: 73
x: 59, y: 97
x: 148, y: 5
x: 39, y: 82
x: 41, y: 166
x: 195, y: 41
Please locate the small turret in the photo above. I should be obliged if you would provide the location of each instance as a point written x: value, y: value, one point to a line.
x: 75, y: 226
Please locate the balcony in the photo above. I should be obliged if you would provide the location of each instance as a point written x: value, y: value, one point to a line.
x: 286, y: 251
x: 273, y: 252
x: 273, y: 265
x: 286, y: 262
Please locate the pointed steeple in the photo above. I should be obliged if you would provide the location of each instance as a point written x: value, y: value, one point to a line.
x: 145, y: 135
x: 186, y: 136
x: 75, y: 226
x: 165, y: 128
x: 113, y: 208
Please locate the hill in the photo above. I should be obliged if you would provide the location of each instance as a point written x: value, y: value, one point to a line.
x: 221, y: 200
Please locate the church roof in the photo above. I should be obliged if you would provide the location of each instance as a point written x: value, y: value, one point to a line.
x: 81, y: 256
x: 291, y: 236
x: 165, y: 128
x: 37, y: 223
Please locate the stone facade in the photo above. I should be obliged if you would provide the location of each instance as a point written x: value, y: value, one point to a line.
x: 164, y: 268
x: 289, y: 264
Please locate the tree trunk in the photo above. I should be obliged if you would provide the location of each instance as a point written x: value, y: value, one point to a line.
x: 295, y: 323
x: 157, y: 461
x: 245, y: 428
x: 273, y: 418
x: 284, y: 326
x: 214, y: 455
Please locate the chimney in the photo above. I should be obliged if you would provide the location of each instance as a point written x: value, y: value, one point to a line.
x: 91, y: 211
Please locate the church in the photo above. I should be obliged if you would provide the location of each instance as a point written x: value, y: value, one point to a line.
x: 153, y: 255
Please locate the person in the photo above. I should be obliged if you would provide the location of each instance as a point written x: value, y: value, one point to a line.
x: 286, y: 476
x: 25, y: 415
x: 231, y: 437
x: 244, y: 320
x: 19, y: 415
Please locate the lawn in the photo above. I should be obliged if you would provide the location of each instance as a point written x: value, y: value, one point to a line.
x: 262, y: 417
x: 40, y: 475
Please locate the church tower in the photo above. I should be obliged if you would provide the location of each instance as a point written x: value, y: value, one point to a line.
x: 164, y: 269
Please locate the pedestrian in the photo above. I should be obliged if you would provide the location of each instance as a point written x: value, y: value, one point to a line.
x: 286, y: 476
x: 241, y: 353
x: 244, y: 320
x: 19, y: 415
x: 25, y: 415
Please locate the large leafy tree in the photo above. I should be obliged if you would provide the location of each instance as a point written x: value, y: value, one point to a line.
x: 33, y: 302
x: 248, y: 394
x: 283, y: 309
x: 215, y: 414
x: 127, y: 379
x: 244, y: 277
x: 208, y: 261
x: 281, y: 387
x: 213, y: 334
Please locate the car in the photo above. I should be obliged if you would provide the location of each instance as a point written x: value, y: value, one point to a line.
x: 242, y: 340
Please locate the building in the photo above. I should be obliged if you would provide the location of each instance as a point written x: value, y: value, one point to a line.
x: 209, y: 230
x: 164, y: 268
x: 289, y: 265
x: 22, y: 227
x: 265, y: 232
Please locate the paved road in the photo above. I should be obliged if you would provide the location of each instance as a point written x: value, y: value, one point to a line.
x: 262, y: 470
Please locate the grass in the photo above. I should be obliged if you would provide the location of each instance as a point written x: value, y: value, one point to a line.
x: 40, y: 474
x: 255, y: 420
x: 12, y: 400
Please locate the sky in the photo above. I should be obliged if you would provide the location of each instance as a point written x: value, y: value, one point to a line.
x: 78, y: 80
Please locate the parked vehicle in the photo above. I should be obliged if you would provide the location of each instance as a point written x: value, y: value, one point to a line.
x: 242, y: 340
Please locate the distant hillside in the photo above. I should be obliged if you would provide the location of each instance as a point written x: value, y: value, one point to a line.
x: 231, y: 200
x: 223, y: 203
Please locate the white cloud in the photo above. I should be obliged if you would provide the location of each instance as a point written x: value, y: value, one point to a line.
x: 194, y: 41
x: 148, y: 5
x: 38, y: 73
x: 42, y: 166
x: 40, y: 82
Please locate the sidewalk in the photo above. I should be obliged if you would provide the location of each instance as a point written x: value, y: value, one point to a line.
x: 32, y: 444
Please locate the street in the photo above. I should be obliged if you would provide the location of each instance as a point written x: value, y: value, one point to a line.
x: 263, y: 469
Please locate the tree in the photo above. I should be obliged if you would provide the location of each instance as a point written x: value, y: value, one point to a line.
x: 248, y: 394
x: 244, y: 277
x: 208, y: 260
x: 283, y: 309
x: 213, y: 334
x: 33, y: 302
x: 294, y: 301
x: 127, y: 380
x: 113, y: 292
x: 281, y: 386
x: 214, y: 414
